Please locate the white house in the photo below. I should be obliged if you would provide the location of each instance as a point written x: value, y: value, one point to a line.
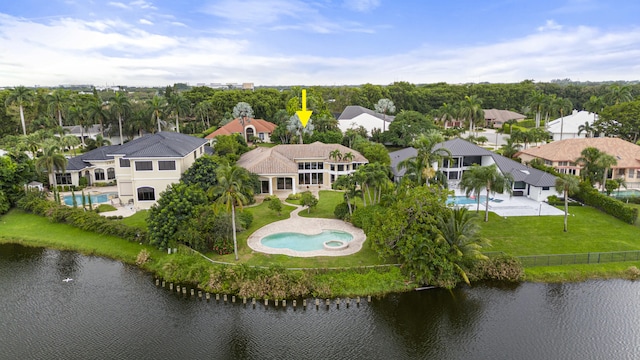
x: 529, y: 182
x: 567, y: 127
x: 356, y: 116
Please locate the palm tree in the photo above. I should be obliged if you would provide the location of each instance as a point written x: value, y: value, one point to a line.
x: 619, y: 94
x: 588, y: 160
x: 511, y: 122
x: 586, y: 128
x: 606, y: 161
x: 348, y: 156
x: 157, y: 105
x: 471, y: 110
x: 97, y: 112
x: 537, y: 102
x: 119, y: 106
x: 336, y: 155
x: 244, y: 113
x: 50, y: 161
x: 421, y: 167
x: 20, y: 96
x: 349, y: 185
x: 448, y: 112
x: 510, y: 149
x: 563, y: 106
x: 595, y: 104
x: 566, y: 185
x: 384, y: 107
x: 70, y: 142
x: 230, y: 191
x: 460, y: 230
x: 178, y: 105
x: 493, y: 179
x: 57, y: 102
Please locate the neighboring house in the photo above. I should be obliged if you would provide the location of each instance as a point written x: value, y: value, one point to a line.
x: 298, y: 167
x: 568, y: 127
x: 494, y: 118
x: 91, y: 132
x: 142, y: 168
x: 532, y: 183
x: 562, y: 154
x: 356, y: 116
x: 259, y: 128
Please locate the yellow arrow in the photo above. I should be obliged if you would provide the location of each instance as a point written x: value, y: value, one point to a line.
x: 304, y: 115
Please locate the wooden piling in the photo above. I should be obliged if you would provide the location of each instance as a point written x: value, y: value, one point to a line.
x: 284, y: 303
x: 163, y: 283
x: 233, y: 299
x: 184, y: 291
x: 157, y: 282
x: 244, y: 301
x: 224, y: 298
x: 266, y: 302
x: 304, y: 303
x: 369, y: 298
x: 208, y: 296
x: 217, y: 297
x: 253, y: 302
x: 294, y: 304
x: 171, y: 286
x: 199, y: 294
x: 193, y: 292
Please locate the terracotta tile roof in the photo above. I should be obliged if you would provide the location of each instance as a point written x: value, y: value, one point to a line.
x: 234, y: 127
x: 502, y: 116
x: 626, y: 153
x: 281, y: 159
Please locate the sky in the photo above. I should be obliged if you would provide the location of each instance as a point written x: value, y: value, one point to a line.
x: 316, y: 42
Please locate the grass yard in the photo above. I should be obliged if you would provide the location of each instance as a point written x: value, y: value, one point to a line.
x: 327, y: 201
x: 589, y: 231
x: 139, y: 219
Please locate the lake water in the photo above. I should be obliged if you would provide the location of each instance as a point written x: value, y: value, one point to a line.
x: 115, y: 311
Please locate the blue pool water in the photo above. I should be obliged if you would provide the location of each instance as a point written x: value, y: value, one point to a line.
x: 95, y: 199
x: 625, y: 193
x: 463, y: 200
x: 302, y: 242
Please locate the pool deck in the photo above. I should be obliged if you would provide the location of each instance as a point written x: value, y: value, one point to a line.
x: 515, y: 206
x: 307, y: 226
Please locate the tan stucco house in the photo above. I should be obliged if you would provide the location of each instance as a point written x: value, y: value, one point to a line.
x: 299, y: 167
x: 259, y: 128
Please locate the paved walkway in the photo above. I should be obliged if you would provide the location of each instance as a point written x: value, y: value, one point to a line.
x: 307, y: 226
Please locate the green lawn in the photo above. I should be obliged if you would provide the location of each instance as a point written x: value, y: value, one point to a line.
x: 139, y: 219
x: 327, y: 201
x: 589, y: 231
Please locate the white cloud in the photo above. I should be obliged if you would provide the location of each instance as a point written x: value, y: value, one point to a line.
x: 550, y: 25
x: 142, y: 4
x: 145, y: 22
x: 118, y: 5
x: 361, y: 5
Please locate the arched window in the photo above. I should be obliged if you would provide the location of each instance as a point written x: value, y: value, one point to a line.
x: 146, y: 194
x: 99, y: 174
x: 250, y: 134
x: 111, y: 173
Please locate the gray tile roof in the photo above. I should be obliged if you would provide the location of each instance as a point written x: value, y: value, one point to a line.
x: 352, y: 111
x: 162, y: 144
x: 460, y: 147
x: 83, y: 160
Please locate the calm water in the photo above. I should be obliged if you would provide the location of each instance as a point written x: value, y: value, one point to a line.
x: 95, y: 199
x: 113, y: 311
x: 302, y: 242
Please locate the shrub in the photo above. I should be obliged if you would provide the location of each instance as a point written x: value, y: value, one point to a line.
x: 297, y: 196
x: 501, y: 268
x: 342, y: 211
x: 275, y: 204
x: 244, y: 220
x: 143, y: 257
x: 633, y: 272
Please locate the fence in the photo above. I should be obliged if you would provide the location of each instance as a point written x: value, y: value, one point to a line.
x: 585, y: 258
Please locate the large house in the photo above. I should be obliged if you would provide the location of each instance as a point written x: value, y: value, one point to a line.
x: 298, y: 167
x: 495, y: 118
x: 259, y: 128
x: 356, y: 116
x: 142, y: 168
x: 568, y: 127
x: 529, y: 182
x: 562, y: 156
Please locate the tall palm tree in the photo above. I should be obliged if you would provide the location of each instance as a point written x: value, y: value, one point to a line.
x: 70, y: 142
x: 605, y: 161
x: 586, y: 128
x: 96, y: 112
x: 590, y: 168
x: 448, y: 112
x: 510, y: 149
x: 537, y: 102
x: 492, y: 179
x: 421, y: 166
x: 50, y: 161
x: 20, y: 96
x: 58, y: 101
x: 244, y: 113
x: 595, y: 104
x: 471, y: 110
x: 178, y: 105
x: 384, y: 107
x: 618, y: 94
x: 460, y: 230
x: 562, y: 106
x: 120, y: 105
x: 157, y: 105
x: 566, y: 185
x: 336, y: 155
x: 230, y: 191
x: 350, y: 186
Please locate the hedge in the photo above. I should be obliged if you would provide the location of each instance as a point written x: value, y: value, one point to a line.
x: 616, y: 208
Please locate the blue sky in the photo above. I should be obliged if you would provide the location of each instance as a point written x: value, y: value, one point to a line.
x: 316, y: 42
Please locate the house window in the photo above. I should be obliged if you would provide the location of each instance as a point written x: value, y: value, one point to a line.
x: 310, y: 178
x: 166, y: 165
x: 545, y: 188
x: 631, y: 174
x: 99, y: 174
x: 284, y: 183
x: 340, y: 167
x: 144, y: 166
x: 333, y: 167
x: 111, y: 173
x: 548, y: 163
x: 261, y: 136
x: 63, y: 179
x: 124, y: 163
x: 146, y: 194
x: 638, y: 173
x: 620, y: 172
x: 519, y: 185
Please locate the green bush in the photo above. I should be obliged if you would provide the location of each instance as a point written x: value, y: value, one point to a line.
x: 245, y: 219
x: 297, y: 196
x: 500, y: 268
x: 342, y: 211
x: 614, y: 207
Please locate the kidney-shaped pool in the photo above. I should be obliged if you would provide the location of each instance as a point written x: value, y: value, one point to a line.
x: 302, y: 242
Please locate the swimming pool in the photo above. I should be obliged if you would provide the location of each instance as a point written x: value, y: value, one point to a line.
x: 95, y: 199
x: 463, y: 200
x: 301, y: 242
x: 625, y: 193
